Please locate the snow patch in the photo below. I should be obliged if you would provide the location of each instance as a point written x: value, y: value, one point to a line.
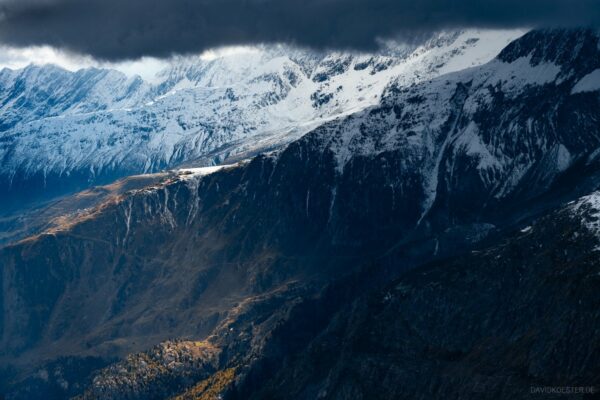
x: 527, y: 229
x: 187, y: 173
x: 589, y: 83
x: 563, y: 158
x: 473, y: 146
x: 588, y: 208
x: 520, y: 73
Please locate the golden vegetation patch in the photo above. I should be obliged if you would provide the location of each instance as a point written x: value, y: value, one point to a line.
x: 210, y: 388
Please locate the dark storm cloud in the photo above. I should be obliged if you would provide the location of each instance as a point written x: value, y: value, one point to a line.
x: 124, y: 29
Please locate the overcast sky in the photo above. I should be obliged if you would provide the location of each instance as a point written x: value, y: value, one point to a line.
x: 77, y: 33
x: 15, y: 58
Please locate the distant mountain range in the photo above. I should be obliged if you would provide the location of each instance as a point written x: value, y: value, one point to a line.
x: 436, y: 239
x: 63, y: 131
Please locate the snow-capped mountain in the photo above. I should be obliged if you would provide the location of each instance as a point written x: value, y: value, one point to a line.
x: 273, y: 258
x: 63, y: 130
x: 507, y: 129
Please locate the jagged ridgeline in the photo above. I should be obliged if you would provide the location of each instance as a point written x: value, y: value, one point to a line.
x: 422, y: 247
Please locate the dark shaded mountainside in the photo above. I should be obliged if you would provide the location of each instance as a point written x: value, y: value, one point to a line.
x: 271, y: 278
x: 496, y: 323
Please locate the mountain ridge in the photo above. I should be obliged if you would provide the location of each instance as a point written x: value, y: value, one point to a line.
x: 204, y: 112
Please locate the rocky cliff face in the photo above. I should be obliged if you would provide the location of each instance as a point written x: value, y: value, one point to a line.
x: 259, y: 256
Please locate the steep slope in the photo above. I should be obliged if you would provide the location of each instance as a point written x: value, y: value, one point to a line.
x: 425, y: 174
x: 64, y: 131
x: 515, y: 320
